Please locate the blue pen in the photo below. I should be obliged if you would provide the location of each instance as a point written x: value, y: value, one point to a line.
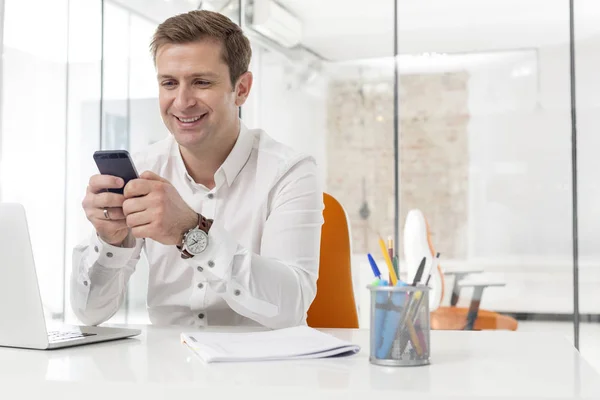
x: 381, y: 306
x: 374, y: 266
x: 381, y: 301
x: 394, y: 315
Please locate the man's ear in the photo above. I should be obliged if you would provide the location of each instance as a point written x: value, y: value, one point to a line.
x: 242, y: 88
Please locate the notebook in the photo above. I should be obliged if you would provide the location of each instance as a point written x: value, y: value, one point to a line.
x: 300, y: 342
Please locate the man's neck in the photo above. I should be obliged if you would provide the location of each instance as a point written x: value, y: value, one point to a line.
x: 203, y: 163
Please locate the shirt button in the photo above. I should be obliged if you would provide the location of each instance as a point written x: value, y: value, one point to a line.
x: 201, y: 315
x: 200, y: 268
x: 85, y: 283
x: 96, y: 249
x: 236, y: 292
x: 109, y: 254
x: 211, y: 263
x: 200, y: 285
x: 211, y: 196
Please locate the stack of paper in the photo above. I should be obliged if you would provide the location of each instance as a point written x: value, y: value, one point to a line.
x: 282, y: 344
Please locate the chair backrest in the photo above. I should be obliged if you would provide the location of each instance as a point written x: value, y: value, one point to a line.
x: 418, y: 244
x: 334, y: 305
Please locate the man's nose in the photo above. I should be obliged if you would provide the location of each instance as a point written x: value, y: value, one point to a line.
x: 184, y: 99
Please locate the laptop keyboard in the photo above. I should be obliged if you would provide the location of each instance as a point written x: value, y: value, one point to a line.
x: 61, y: 336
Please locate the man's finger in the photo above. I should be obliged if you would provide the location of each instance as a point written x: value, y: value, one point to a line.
x: 138, y: 219
x: 99, y: 183
x: 114, y: 213
x: 108, y: 199
x: 135, y: 205
x: 151, y: 176
x: 137, y: 187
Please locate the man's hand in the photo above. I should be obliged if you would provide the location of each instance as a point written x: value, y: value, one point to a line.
x: 154, y: 209
x: 112, y: 230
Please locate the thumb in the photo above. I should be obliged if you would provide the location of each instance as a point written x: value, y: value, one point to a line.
x: 151, y: 176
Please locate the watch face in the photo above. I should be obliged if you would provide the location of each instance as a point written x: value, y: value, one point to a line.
x: 196, y: 241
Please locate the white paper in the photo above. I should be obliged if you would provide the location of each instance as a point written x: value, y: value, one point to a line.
x: 281, y: 344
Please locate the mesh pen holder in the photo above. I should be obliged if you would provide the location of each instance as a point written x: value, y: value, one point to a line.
x: 399, y: 325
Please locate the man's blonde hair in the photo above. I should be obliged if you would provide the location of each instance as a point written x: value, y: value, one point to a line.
x: 202, y: 24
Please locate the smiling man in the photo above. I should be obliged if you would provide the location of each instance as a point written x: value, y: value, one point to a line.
x: 230, y: 220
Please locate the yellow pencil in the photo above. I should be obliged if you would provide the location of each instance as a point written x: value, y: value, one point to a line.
x: 386, y: 257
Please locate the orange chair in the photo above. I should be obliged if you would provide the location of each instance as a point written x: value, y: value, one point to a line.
x: 471, y: 318
x: 334, y: 305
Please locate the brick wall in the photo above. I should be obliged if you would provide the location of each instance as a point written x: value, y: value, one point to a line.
x: 433, y: 156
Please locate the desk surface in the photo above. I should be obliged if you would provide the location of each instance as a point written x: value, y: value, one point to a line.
x: 155, y: 365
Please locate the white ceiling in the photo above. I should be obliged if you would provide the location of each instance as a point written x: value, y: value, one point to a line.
x: 158, y: 10
x: 343, y: 30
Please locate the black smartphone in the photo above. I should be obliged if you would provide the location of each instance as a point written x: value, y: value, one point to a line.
x: 116, y: 163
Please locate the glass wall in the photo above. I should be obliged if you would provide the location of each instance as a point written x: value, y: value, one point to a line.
x: 458, y: 108
x: 485, y: 123
x: 587, y: 101
x: 34, y: 123
x: 84, y: 87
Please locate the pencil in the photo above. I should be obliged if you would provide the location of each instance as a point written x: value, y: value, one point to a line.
x: 386, y: 257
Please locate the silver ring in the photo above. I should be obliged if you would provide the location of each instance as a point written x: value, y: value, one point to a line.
x: 106, y: 215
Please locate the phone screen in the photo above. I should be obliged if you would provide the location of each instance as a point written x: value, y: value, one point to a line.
x: 116, y: 163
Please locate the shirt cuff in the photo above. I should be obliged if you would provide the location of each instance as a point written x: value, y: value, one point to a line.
x: 217, y: 259
x: 110, y: 256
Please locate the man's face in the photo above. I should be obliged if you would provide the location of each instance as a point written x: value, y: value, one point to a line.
x: 197, y: 102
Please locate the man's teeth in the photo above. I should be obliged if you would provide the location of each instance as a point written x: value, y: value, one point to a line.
x: 189, y: 119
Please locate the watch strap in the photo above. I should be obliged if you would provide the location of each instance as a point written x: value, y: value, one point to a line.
x: 204, y: 223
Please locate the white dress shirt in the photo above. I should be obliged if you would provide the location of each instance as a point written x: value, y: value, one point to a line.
x: 262, y: 260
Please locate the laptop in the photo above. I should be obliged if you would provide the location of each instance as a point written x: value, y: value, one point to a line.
x: 22, y: 322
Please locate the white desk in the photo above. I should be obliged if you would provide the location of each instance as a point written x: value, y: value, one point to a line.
x: 156, y: 365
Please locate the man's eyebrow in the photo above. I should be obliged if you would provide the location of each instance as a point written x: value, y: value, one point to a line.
x: 196, y: 75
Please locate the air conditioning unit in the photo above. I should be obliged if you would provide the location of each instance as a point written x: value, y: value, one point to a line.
x: 276, y: 23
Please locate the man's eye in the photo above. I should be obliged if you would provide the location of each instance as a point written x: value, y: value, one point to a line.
x: 168, y: 84
x: 202, y: 83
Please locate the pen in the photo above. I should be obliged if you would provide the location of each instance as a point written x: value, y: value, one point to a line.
x: 397, y: 322
x: 434, y: 266
x: 381, y: 300
x: 408, y: 322
x: 386, y: 257
x: 419, y: 298
x: 374, y: 267
x: 419, y: 273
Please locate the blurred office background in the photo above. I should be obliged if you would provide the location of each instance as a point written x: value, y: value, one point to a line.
x: 482, y: 139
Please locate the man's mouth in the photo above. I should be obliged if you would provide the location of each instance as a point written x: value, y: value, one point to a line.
x: 189, y: 120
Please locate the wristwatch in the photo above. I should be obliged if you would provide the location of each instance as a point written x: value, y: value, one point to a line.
x: 195, y: 241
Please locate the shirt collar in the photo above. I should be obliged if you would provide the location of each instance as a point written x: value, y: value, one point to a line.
x: 232, y: 165
x: 238, y: 156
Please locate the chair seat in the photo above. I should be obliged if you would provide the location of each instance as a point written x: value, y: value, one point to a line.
x: 455, y: 318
